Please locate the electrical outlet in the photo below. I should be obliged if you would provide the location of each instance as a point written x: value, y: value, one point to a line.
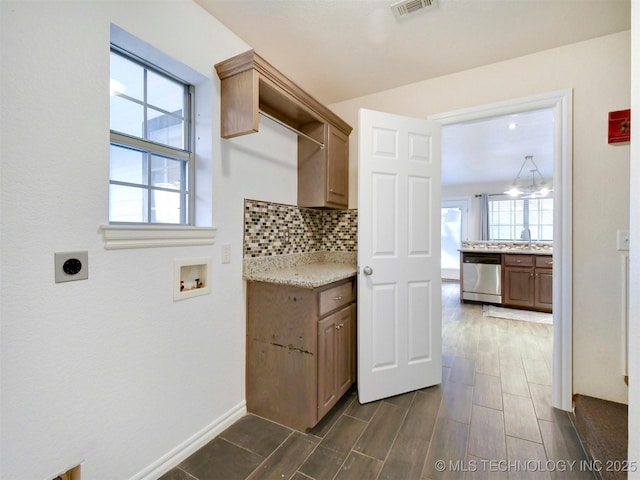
x: 623, y: 240
x: 71, y: 266
x: 226, y: 254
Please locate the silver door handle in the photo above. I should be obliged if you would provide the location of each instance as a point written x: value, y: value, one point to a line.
x: 367, y: 270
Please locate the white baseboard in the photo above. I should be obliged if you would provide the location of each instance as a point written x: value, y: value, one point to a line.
x: 191, y: 445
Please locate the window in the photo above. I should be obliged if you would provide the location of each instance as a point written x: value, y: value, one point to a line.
x: 151, y: 149
x: 509, y: 217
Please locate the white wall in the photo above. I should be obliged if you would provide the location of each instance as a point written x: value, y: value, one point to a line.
x: 110, y: 372
x: 634, y: 254
x: 598, y: 71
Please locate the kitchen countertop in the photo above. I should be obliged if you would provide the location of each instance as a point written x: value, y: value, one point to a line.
x: 310, y: 275
x: 536, y: 248
x: 306, y: 270
x: 515, y: 251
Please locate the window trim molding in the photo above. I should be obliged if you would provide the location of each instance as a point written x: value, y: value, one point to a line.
x: 149, y: 236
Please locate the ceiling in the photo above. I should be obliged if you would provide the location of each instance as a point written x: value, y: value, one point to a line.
x: 343, y: 49
x: 493, y: 149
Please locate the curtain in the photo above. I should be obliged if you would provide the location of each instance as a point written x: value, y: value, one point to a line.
x: 484, y: 216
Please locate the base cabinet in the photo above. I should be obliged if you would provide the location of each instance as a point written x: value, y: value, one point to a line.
x: 300, y: 350
x: 527, y: 281
x: 336, y: 372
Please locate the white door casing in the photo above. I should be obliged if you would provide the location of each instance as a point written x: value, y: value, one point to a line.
x: 399, y: 295
x: 561, y: 101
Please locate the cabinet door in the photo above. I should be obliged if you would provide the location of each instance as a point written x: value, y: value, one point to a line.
x: 336, y: 372
x: 327, y: 363
x: 337, y: 168
x: 544, y: 289
x: 345, y: 349
x: 518, y: 287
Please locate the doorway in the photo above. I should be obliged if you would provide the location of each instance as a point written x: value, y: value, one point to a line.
x: 561, y: 104
x: 454, y: 226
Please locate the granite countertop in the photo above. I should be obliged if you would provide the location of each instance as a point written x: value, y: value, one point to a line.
x: 536, y: 248
x: 301, y: 270
x: 515, y: 251
x: 310, y: 275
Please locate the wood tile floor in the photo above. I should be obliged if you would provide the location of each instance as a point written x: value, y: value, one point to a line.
x: 490, y: 418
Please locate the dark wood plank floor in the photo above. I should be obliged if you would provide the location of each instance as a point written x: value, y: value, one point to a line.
x: 490, y: 418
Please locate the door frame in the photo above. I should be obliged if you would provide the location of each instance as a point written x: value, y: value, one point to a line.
x: 561, y: 102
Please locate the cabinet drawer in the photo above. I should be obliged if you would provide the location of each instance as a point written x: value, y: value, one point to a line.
x: 335, y: 297
x: 516, y: 260
x: 544, y: 261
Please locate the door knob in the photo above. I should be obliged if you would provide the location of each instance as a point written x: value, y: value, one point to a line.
x: 367, y: 270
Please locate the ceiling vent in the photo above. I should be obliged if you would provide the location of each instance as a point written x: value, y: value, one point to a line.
x: 406, y: 7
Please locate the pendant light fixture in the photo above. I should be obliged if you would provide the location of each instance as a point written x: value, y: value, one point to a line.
x: 538, y: 187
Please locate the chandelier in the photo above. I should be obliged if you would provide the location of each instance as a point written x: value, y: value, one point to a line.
x: 536, y: 189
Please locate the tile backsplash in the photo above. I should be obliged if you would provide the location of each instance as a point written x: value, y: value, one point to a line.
x: 278, y: 229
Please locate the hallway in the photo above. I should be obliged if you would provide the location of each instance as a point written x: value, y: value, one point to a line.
x: 490, y: 418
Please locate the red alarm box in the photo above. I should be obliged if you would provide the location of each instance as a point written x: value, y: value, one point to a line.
x: 620, y: 126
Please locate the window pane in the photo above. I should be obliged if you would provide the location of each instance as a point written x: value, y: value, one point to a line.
x: 127, y: 204
x: 168, y: 173
x: 547, y: 232
x: 164, y: 93
x: 165, y: 129
x: 148, y: 187
x: 508, y: 218
x: 127, y: 165
x: 126, y: 77
x: 126, y: 116
x: 166, y: 207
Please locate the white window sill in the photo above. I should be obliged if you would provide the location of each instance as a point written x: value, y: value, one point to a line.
x: 149, y: 236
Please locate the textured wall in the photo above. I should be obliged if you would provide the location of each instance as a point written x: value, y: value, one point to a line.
x: 110, y: 372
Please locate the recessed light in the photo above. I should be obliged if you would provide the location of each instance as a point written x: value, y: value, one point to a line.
x: 513, y: 126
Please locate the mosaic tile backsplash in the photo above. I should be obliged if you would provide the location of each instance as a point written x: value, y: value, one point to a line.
x: 278, y: 229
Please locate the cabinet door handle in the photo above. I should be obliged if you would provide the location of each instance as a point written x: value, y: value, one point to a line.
x: 339, y: 326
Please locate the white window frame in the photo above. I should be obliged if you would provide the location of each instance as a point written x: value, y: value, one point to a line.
x: 513, y: 225
x: 125, y: 236
x: 149, y: 147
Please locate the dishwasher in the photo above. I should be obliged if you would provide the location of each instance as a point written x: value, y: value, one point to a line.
x: 482, y: 277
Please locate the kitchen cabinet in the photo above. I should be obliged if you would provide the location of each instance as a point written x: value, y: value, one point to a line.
x: 527, y: 281
x: 543, y: 288
x: 323, y: 174
x: 300, y: 350
x: 250, y: 87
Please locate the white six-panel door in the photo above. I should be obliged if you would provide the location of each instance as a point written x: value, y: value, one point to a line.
x: 399, y: 296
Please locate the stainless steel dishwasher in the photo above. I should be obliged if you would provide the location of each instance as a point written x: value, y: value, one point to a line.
x: 482, y: 277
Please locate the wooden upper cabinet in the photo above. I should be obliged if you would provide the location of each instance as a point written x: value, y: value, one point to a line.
x: 323, y: 174
x: 249, y: 86
x: 337, y: 168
